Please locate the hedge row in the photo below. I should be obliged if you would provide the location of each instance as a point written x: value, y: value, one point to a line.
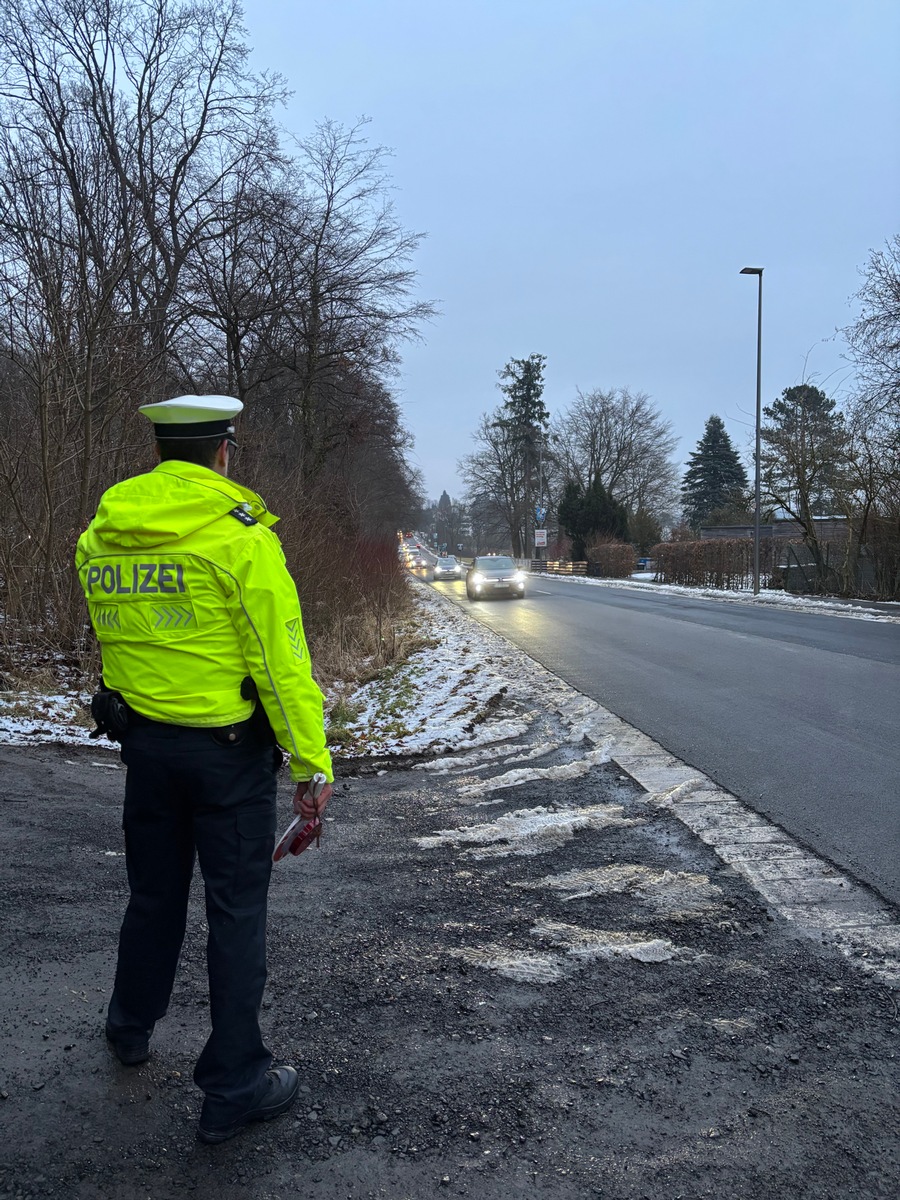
x: 611, y: 560
x: 714, y: 563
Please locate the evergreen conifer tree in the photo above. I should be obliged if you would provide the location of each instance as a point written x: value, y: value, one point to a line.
x: 715, y: 478
x: 524, y: 418
x: 584, y: 514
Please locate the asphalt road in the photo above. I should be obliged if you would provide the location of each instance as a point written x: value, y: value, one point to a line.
x: 794, y: 713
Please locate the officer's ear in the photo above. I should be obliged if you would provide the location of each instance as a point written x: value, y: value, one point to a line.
x: 221, y: 461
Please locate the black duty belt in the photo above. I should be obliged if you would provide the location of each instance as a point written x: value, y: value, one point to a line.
x: 221, y: 733
x: 114, y: 717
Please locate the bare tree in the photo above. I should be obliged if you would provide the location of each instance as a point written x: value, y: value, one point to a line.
x: 155, y: 236
x: 874, y: 339
x: 355, y: 278
x: 620, y: 438
x: 118, y: 121
x: 873, y: 419
x: 495, y: 480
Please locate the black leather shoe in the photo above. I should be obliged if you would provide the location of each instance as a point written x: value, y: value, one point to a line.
x: 131, y: 1049
x: 276, y: 1094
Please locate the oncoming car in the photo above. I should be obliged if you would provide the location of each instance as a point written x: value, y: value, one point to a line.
x: 494, y: 575
x: 447, y: 567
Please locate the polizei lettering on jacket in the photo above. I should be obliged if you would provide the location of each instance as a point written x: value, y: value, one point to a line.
x: 149, y: 579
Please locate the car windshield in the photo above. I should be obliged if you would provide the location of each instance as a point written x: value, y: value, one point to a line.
x: 447, y: 561
x: 495, y: 563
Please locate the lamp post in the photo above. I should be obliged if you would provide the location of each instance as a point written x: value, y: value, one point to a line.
x: 757, y: 271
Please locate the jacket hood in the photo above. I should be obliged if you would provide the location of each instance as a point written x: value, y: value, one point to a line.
x: 170, y: 502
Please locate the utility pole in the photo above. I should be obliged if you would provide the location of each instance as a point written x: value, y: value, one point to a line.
x: 540, y: 501
x: 758, y: 271
x: 529, y: 526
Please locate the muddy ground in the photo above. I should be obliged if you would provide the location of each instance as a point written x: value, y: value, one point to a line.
x: 458, y: 1031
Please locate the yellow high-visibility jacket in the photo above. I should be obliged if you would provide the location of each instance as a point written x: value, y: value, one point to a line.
x: 188, y: 593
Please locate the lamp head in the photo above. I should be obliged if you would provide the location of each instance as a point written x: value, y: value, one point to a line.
x: 751, y: 270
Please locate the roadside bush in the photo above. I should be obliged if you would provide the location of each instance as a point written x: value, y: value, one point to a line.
x: 882, y: 550
x: 609, y: 558
x: 725, y: 563
x: 353, y: 590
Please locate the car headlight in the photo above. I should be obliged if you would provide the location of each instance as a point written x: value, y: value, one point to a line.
x: 519, y: 577
x: 477, y: 577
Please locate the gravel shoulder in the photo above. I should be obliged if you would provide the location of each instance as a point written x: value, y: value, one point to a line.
x: 583, y: 1001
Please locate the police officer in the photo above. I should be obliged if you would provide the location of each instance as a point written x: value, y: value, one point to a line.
x: 205, y: 663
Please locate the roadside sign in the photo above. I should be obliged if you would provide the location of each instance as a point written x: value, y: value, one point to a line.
x: 540, y: 537
x: 540, y: 513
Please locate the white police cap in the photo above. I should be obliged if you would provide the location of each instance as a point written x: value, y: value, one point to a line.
x: 193, y: 416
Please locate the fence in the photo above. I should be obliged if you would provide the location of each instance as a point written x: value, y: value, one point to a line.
x: 558, y: 567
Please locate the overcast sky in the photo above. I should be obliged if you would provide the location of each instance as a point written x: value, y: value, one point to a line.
x: 592, y: 175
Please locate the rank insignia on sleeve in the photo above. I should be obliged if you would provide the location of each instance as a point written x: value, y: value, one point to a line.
x: 241, y: 514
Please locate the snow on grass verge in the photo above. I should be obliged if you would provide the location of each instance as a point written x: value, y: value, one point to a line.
x: 825, y: 606
x: 457, y: 694
x: 30, y: 715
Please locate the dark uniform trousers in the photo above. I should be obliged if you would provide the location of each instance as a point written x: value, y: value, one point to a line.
x: 192, y: 792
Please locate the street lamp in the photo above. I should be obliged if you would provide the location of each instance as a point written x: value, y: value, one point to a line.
x: 757, y: 271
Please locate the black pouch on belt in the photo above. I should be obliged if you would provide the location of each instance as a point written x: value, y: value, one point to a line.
x: 110, y: 713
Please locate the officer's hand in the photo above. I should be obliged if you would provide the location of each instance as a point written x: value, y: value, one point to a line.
x: 306, y: 805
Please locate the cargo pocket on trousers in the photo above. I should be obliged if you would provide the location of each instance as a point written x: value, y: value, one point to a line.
x: 256, y: 841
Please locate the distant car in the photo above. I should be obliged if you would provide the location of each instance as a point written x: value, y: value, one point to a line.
x: 494, y: 575
x: 447, y: 567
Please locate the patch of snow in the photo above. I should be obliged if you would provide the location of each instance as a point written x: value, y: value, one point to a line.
x: 29, y: 718
x: 522, y: 775
x: 732, y: 1025
x: 606, y: 943
x: 681, y: 791
x: 669, y: 890
x: 529, y: 831
x: 481, y: 758
x: 536, y: 752
x: 522, y: 966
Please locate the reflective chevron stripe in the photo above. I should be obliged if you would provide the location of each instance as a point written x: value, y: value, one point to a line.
x: 107, y: 617
x: 172, y: 616
x: 295, y: 637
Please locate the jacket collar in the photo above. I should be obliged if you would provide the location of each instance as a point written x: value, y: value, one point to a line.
x: 204, y: 477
